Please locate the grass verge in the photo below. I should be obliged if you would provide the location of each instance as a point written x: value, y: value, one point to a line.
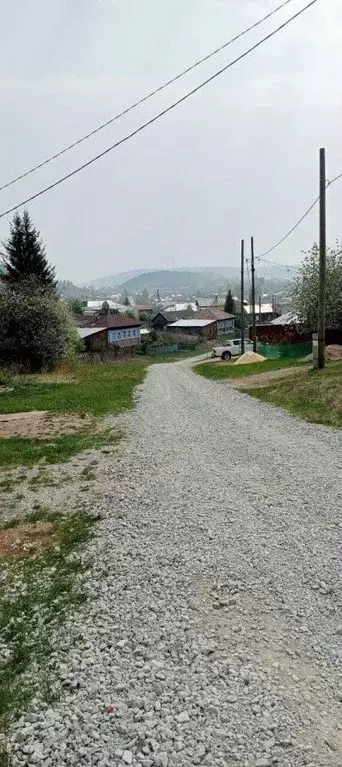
x: 216, y: 371
x: 95, y: 389
x: 16, y: 451
x: 315, y: 396
x: 88, y: 389
x: 36, y: 594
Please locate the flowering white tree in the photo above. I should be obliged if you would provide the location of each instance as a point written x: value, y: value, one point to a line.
x: 36, y: 328
x: 306, y: 289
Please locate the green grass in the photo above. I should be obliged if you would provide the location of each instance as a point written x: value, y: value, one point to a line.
x: 315, y: 396
x: 217, y: 371
x: 16, y: 451
x: 97, y: 389
x: 94, y: 389
x: 34, y: 600
x: 176, y: 356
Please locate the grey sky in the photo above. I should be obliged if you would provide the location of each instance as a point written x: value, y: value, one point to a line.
x: 239, y: 158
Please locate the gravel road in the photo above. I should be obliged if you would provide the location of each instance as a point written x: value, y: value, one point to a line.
x: 213, y: 632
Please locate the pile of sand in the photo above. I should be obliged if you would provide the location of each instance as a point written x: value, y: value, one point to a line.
x: 332, y: 352
x: 249, y: 357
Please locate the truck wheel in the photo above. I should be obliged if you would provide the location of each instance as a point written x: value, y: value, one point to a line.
x: 226, y: 356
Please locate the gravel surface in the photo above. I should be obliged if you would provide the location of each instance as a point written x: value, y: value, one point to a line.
x: 213, y: 632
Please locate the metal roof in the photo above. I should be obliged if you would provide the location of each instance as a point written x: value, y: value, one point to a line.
x: 286, y: 319
x: 215, y: 314
x: 265, y: 308
x: 85, y: 332
x: 191, y: 323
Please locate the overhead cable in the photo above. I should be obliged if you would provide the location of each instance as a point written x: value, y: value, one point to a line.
x: 159, y: 115
x: 143, y: 99
x: 300, y: 220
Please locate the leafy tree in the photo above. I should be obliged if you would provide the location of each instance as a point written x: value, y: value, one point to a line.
x: 229, y: 305
x: 75, y: 305
x: 24, y: 256
x: 36, y: 329
x: 126, y: 301
x: 306, y: 288
x: 131, y: 313
x: 104, y: 309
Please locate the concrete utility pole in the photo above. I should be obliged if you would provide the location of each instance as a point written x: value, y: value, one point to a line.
x: 253, y: 293
x: 322, y: 260
x: 242, y: 310
x: 259, y: 310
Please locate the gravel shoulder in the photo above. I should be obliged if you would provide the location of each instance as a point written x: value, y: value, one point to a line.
x: 213, y: 630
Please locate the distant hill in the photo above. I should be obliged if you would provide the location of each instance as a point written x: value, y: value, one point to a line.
x: 175, y: 280
x: 113, y: 280
x: 195, y: 277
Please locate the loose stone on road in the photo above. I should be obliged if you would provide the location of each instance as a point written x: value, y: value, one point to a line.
x: 212, y: 634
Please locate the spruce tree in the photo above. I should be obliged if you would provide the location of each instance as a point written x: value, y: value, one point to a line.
x: 229, y: 305
x: 24, y: 257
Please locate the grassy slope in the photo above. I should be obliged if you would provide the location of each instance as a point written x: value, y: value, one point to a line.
x: 315, y: 396
x: 95, y: 389
x: 216, y: 371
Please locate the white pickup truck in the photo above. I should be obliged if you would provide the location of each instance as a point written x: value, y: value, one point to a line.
x: 232, y: 348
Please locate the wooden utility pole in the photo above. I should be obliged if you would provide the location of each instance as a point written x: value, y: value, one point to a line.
x: 322, y: 259
x: 242, y: 297
x: 253, y: 293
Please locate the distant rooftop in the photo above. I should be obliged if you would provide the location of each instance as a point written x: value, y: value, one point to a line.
x: 289, y: 318
x: 265, y: 308
x: 191, y: 323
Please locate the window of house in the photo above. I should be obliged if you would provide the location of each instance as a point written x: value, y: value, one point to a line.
x: 124, y: 334
x: 118, y: 334
x: 129, y: 333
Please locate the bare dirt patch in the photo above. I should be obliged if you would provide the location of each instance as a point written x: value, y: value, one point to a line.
x: 25, y: 540
x: 40, y: 424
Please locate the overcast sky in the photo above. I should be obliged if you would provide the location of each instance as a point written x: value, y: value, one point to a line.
x: 239, y: 158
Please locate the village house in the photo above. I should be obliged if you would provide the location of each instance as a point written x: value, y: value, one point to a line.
x: 225, y: 322
x: 263, y: 312
x: 206, y: 328
x: 206, y: 303
x: 94, y: 307
x: 114, y: 334
x: 144, y: 311
x: 161, y: 319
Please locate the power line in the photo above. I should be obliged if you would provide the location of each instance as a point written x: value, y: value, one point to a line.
x: 144, y: 98
x: 313, y: 204
x: 160, y: 114
x: 259, y: 258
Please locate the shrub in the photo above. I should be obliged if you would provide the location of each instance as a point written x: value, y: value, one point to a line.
x: 36, y: 329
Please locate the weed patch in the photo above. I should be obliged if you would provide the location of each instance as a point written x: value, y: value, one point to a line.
x: 36, y: 593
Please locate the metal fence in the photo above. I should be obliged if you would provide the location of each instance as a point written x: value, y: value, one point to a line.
x: 278, y: 351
